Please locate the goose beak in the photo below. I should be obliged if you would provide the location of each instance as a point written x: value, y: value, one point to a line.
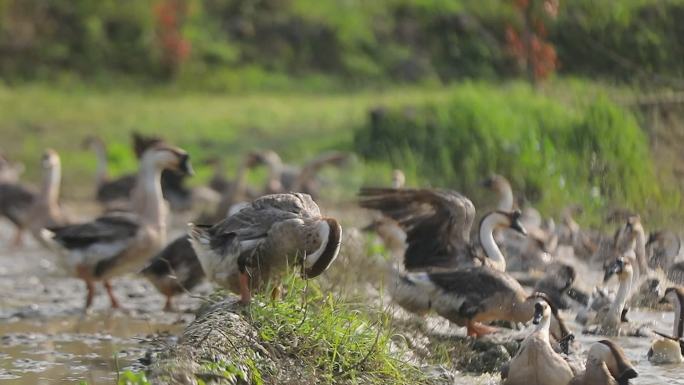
x: 517, y: 226
x: 614, y: 268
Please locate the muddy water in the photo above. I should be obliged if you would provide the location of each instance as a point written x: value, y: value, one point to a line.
x: 45, y: 338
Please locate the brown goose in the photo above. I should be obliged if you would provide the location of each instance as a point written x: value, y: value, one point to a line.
x: 31, y: 210
x: 175, y: 269
x: 111, y: 193
x: 118, y: 242
x: 536, y: 363
x: 256, y: 244
x: 606, y: 365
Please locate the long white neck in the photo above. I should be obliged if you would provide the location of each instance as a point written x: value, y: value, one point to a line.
x: 542, y: 329
x: 487, y: 240
x: 621, y: 298
x: 505, y: 197
x: 101, y: 170
x: 147, y: 199
x: 640, y: 249
x: 49, y: 193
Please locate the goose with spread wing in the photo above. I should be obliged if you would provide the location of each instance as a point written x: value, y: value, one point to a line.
x: 121, y: 242
x: 255, y: 245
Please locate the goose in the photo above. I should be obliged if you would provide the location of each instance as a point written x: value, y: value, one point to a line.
x: 609, y: 318
x: 255, y: 245
x: 31, y: 210
x: 606, y: 365
x: 662, y: 248
x: 669, y: 349
x: 632, y: 237
x: 437, y: 224
x: 9, y: 171
x: 121, y: 242
x: 285, y: 178
x: 111, y: 193
x: 391, y: 234
x: 175, y: 269
x: 173, y: 183
x: 536, y: 363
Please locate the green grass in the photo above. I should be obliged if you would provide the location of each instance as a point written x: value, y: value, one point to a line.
x: 297, y: 124
x: 338, y: 341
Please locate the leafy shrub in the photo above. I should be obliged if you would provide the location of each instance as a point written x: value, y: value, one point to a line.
x: 554, y: 154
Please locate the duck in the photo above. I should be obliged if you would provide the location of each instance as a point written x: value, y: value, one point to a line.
x: 669, y: 349
x: 606, y: 365
x: 536, y: 362
x: 110, y: 193
x: 120, y: 242
x: 32, y: 210
x: 174, y: 270
x: 610, y: 319
x: 255, y: 245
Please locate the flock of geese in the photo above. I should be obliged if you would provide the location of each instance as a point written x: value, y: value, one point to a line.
x: 471, y: 276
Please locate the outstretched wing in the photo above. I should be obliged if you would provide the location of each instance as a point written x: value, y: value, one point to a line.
x: 437, y: 222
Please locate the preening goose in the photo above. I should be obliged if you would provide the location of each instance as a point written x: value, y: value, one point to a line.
x: 111, y: 193
x: 536, y: 363
x: 175, y: 269
x: 31, y: 210
x: 606, y: 365
x: 669, y: 349
x: 256, y: 244
x: 119, y: 242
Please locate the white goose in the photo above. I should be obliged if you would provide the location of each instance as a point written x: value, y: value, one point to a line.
x: 117, y: 243
x: 536, y: 363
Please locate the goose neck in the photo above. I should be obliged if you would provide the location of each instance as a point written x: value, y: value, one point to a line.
x: 542, y: 329
x: 147, y: 198
x: 101, y: 168
x: 49, y: 194
x: 618, y: 304
x: 489, y: 246
x: 678, y: 320
x: 505, y: 197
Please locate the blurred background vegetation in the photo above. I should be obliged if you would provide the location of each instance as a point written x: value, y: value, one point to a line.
x: 576, y: 101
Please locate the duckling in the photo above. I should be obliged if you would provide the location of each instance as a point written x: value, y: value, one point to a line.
x: 174, y: 270
x: 110, y: 193
x: 119, y: 242
x: 606, y: 365
x: 30, y: 210
x: 669, y: 350
x: 536, y: 363
x: 254, y: 245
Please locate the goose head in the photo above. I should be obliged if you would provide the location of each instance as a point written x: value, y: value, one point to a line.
x: 621, y: 267
x: 542, y: 311
x: 673, y: 295
x: 164, y: 157
x: 496, y: 183
x: 50, y: 159
x: 608, y: 353
x: 398, y: 178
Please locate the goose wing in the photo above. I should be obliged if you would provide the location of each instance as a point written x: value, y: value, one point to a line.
x: 437, y: 222
x: 15, y: 200
x: 246, y: 228
x: 466, y: 292
x: 116, y: 189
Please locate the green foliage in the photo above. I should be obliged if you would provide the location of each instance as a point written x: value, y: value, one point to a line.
x: 592, y: 152
x: 277, y: 44
x: 132, y: 378
x: 339, y: 341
